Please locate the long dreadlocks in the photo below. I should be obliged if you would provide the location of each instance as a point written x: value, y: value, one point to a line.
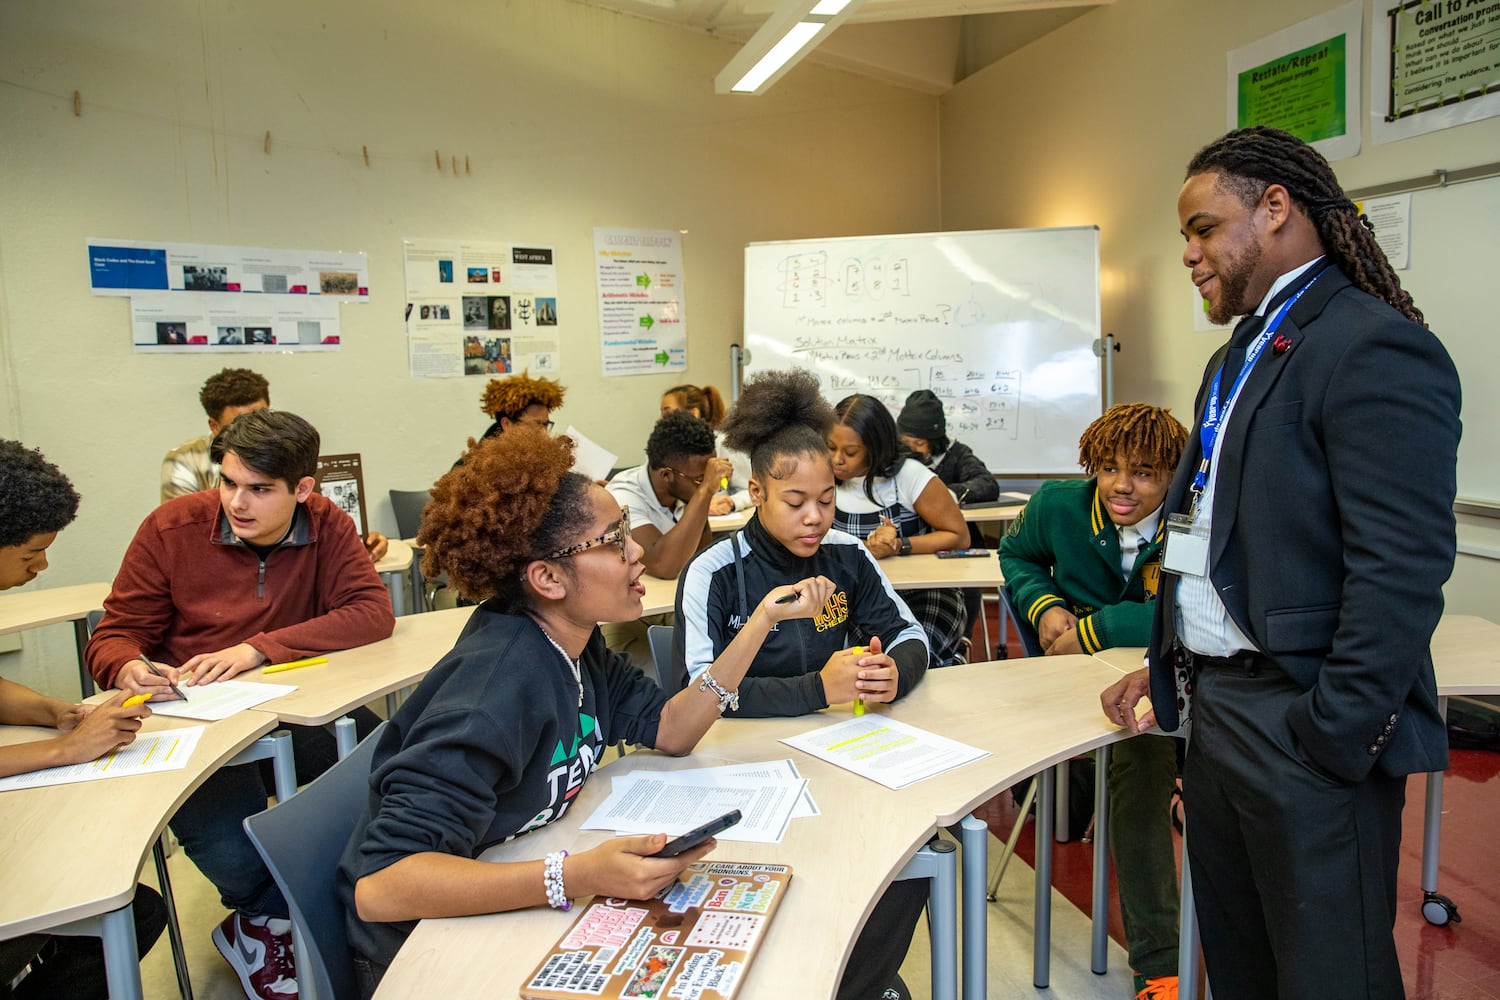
x: 1248, y: 160
x: 1136, y: 431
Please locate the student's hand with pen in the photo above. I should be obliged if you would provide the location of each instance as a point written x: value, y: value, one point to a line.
x: 867, y: 674
x: 205, y: 668
x: 622, y: 867
x: 137, y: 678
x: 94, y: 730
x: 377, y: 545
x: 803, y: 599
x: 714, y: 473
x: 884, y: 541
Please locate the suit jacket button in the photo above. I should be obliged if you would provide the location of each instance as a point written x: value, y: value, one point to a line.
x: 1374, y: 749
x: 1392, y: 719
x: 1380, y: 740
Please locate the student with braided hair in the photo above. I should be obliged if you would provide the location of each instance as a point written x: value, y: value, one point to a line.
x: 1301, y: 582
x: 1082, y: 563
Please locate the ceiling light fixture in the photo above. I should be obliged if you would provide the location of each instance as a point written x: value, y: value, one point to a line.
x: 791, y: 32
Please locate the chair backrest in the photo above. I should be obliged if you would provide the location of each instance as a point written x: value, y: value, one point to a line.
x: 301, y: 841
x: 1030, y: 644
x: 660, y: 638
x: 407, y: 505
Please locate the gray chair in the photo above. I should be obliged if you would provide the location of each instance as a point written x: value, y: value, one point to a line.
x: 660, y: 638
x: 301, y: 841
x: 407, y: 505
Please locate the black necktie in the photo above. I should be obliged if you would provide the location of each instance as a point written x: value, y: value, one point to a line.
x: 1244, y: 335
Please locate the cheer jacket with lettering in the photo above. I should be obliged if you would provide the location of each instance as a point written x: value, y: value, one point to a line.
x: 718, y: 591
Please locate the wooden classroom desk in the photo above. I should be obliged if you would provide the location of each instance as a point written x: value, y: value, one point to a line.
x: 724, y: 523
x: 75, y: 851
x: 1028, y: 713
x: 393, y: 568
x: 35, y: 608
x: 993, y: 515
x: 353, y: 677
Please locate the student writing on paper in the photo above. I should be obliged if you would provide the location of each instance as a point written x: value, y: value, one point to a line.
x: 500, y: 737
x: 1083, y: 562
x: 190, y: 468
x: 36, y: 502
x: 214, y: 584
x: 707, y: 404
x: 727, y: 616
x: 898, y: 507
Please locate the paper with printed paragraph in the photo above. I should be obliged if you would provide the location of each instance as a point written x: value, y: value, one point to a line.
x: 168, y: 750
x: 694, y: 941
x: 220, y: 700
x: 884, y: 750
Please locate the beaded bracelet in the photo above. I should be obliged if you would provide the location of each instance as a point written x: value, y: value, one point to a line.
x: 552, y: 879
x: 727, y: 699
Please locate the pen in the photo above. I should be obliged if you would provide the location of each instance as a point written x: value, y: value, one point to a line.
x: 789, y: 598
x: 311, y: 661
x: 157, y: 671
x: 859, y: 703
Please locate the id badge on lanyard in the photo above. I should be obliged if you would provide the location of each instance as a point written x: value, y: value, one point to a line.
x: 1185, y: 550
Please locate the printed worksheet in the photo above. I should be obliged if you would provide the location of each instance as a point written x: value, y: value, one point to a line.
x: 220, y: 700
x: 168, y: 750
x: 884, y: 750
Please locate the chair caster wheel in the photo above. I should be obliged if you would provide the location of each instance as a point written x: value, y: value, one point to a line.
x: 1439, y: 910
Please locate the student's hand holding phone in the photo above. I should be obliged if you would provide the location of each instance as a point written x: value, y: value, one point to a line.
x: 94, y: 730
x: 803, y: 599
x: 205, y: 668
x: 623, y: 867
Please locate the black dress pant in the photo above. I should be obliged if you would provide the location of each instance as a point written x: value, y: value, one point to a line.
x: 1294, y: 869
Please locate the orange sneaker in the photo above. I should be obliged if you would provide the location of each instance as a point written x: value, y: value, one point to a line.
x: 1155, y: 988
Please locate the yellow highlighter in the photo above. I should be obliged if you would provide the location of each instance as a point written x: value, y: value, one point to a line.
x: 136, y: 699
x: 311, y: 661
x: 724, y: 483
x: 859, y: 703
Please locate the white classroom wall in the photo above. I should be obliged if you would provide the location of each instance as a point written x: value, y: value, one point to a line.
x: 1094, y: 124
x: 570, y: 118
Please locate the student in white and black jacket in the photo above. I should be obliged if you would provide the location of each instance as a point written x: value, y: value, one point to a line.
x: 864, y: 643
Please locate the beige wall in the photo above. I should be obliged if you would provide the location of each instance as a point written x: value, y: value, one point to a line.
x: 1094, y: 123
x: 570, y: 117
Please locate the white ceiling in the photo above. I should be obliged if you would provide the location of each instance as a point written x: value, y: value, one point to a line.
x: 927, y: 45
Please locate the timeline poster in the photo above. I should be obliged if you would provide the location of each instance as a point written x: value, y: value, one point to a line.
x: 126, y: 267
x: 476, y: 308
x: 642, y: 301
x: 1304, y: 80
x: 1440, y: 68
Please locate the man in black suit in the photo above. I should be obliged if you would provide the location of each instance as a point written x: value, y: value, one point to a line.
x: 1306, y: 562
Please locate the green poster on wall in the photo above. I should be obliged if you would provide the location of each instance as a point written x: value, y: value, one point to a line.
x: 1301, y: 92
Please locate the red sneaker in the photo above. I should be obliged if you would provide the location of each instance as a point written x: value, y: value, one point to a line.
x: 259, y: 950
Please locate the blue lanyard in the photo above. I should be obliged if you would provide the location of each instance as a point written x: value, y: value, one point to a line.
x: 1213, y: 414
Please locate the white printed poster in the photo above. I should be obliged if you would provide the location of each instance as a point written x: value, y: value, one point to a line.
x: 481, y: 308
x: 1436, y: 65
x: 203, y: 298
x: 642, y: 301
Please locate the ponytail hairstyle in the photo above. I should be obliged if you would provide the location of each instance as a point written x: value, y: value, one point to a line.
x: 704, y: 399
x: 781, y: 417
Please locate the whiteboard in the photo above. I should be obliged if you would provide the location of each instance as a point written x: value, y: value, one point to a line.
x: 1454, y: 260
x: 1000, y: 324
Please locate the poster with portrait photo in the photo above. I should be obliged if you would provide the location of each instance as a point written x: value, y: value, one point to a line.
x: 188, y: 322
x: 341, y: 479
x: 259, y: 335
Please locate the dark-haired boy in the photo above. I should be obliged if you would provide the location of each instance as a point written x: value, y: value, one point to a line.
x: 215, y: 584
x: 1082, y: 564
x: 191, y: 468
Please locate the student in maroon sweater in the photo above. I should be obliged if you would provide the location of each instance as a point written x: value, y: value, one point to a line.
x: 270, y: 572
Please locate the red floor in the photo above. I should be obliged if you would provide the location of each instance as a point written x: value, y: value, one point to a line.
x: 1459, y: 961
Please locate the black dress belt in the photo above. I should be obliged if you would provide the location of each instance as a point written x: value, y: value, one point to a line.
x: 1246, y: 661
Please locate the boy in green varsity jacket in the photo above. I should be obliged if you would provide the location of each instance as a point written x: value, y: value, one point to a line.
x: 1082, y: 564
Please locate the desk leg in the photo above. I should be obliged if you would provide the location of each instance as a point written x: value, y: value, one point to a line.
x: 345, y: 737
x: 1099, y: 963
x: 395, y: 585
x: 418, y: 585
x: 80, y: 640
x: 937, y: 863
x: 1062, y: 781
x: 278, y: 748
x: 122, y: 963
x: 1002, y: 618
x: 975, y: 838
x: 1187, y: 932
x: 1041, y: 935
x: 174, y: 930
